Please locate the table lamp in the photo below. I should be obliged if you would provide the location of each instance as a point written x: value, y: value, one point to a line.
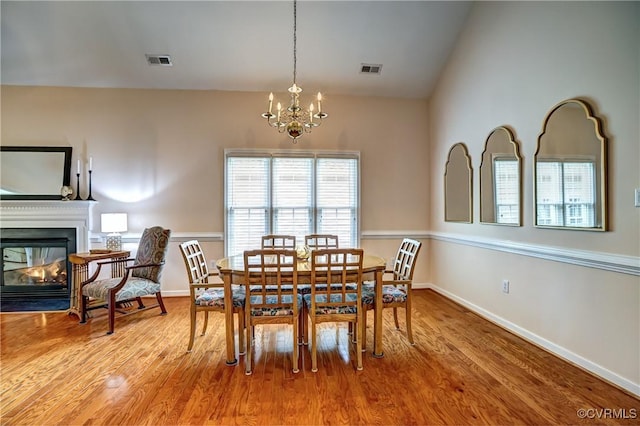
x: 113, y: 224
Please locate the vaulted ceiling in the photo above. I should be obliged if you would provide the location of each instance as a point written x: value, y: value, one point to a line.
x: 231, y: 45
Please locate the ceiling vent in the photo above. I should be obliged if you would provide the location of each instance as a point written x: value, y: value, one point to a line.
x: 163, y: 60
x: 370, y: 68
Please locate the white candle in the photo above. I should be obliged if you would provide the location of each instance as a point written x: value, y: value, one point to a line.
x: 319, y: 104
x: 90, y: 163
x: 270, y: 102
x: 78, y: 166
x: 279, y: 108
x: 311, y: 113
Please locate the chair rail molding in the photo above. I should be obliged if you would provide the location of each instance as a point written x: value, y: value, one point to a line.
x: 176, y: 237
x: 389, y: 235
x: 609, y: 262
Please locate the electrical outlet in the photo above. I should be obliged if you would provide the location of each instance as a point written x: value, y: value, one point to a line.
x: 505, y: 286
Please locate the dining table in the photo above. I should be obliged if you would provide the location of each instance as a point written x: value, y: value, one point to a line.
x: 231, y: 270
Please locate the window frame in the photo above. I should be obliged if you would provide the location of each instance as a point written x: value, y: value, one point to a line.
x: 544, y: 211
x: 315, y: 155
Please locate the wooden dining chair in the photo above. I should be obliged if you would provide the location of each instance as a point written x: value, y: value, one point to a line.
x: 271, y: 280
x: 274, y: 241
x: 314, y: 242
x: 336, y: 294
x: 321, y: 241
x: 396, y: 292
x: 208, y: 296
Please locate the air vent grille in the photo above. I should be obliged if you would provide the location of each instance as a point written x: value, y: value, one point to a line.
x: 162, y: 60
x: 370, y: 68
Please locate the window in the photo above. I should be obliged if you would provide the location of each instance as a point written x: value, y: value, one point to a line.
x: 292, y: 194
x: 566, y: 193
x: 507, y: 190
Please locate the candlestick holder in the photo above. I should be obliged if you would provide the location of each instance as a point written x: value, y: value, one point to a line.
x: 89, y: 197
x: 78, y: 188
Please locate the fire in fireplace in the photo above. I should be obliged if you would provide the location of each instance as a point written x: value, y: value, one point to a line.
x: 35, y: 268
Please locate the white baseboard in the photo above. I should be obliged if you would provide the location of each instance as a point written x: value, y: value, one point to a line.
x: 555, y: 349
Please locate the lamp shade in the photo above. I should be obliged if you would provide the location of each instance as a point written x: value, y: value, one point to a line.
x: 113, y: 222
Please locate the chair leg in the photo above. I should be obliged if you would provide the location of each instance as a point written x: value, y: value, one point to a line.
x: 161, y: 303
x: 111, y: 306
x: 295, y: 355
x: 206, y: 323
x: 241, y: 333
x: 247, y: 358
x: 358, y: 334
x: 395, y: 318
x: 140, y: 304
x: 303, y: 330
x: 314, y: 355
x: 408, y: 320
x: 364, y: 330
x: 83, y: 310
x: 193, y: 327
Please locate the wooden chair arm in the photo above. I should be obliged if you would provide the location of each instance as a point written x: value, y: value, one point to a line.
x: 107, y: 262
x: 143, y: 265
x: 207, y: 285
x: 397, y: 282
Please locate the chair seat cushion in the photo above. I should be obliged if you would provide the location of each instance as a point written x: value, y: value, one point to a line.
x: 261, y: 311
x: 135, y: 287
x: 215, y: 297
x: 390, y: 294
x: 335, y: 298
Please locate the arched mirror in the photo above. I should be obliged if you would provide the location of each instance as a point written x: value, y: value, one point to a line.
x: 501, y: 179
x: 570, y: 169
x: 457, y: 185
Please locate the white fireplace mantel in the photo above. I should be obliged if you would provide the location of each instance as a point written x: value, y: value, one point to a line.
x: 49, y: 214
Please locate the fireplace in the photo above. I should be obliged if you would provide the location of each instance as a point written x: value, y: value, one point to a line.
x: 36, y: 238
x: 35, y: 270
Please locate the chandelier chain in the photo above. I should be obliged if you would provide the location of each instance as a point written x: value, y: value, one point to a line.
x: 294, y: 119
x: 295, y: 51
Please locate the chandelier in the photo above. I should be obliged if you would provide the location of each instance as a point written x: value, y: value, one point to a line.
x: 294, y: 119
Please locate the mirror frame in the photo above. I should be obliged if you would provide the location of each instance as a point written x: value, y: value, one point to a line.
x: 516, y: 152
x: 601, y: 171
x: 66, y: 175
x: 465, y: 151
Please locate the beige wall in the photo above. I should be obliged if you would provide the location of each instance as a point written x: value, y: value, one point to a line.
x: 158, y: 155
x: 514, y: 62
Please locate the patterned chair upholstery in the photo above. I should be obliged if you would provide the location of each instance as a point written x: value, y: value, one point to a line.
x: 271, y: 280
x: 396, y: 292
x: 336, y: 294
x: 141, y: 278
x: 209, y: 296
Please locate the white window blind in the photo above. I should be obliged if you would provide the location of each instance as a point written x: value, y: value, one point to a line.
x: 290, y: 194
x: 507, y: 190
x: 247, y: 195
x: 565, y: 193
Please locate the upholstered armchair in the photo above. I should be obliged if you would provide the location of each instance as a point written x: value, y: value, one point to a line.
x: 141, y: 278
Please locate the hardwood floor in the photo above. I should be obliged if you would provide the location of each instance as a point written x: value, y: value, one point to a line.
x: 462, y: 370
